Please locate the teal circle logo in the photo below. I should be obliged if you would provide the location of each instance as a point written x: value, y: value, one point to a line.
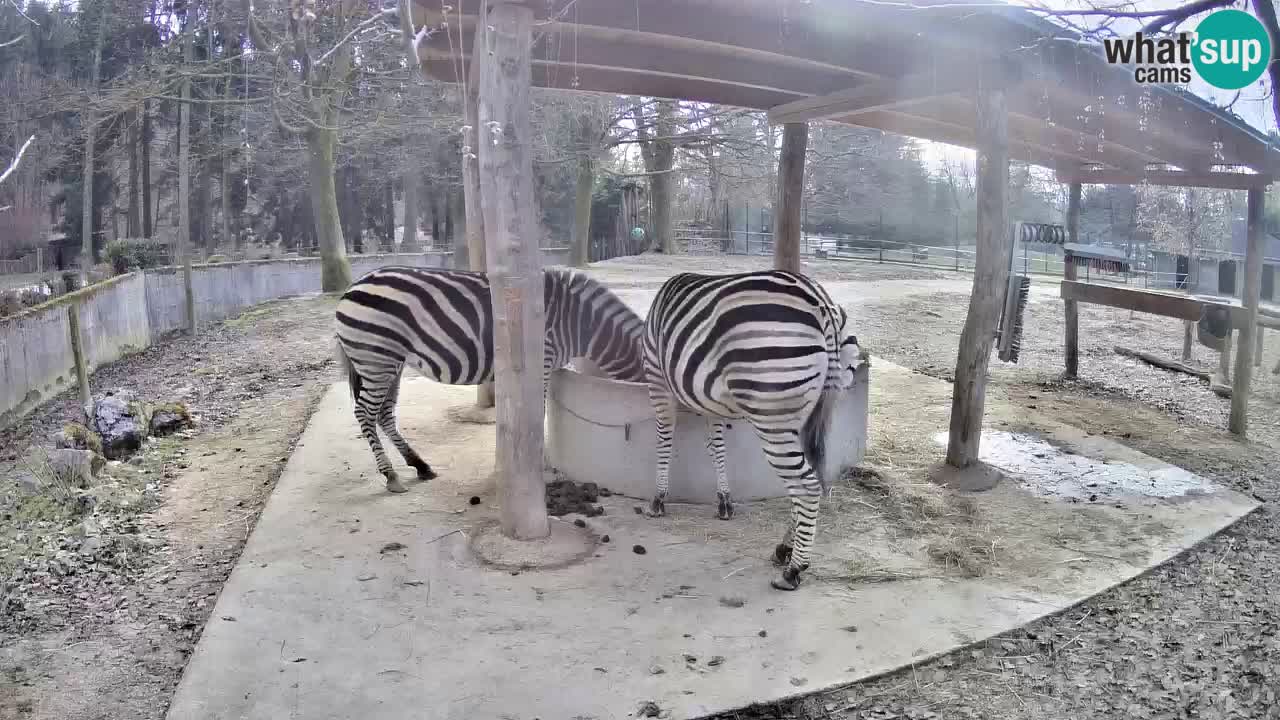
x: 1232, y: 49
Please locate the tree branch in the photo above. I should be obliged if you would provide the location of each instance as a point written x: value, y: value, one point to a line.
x: 17, y: 159
x: 1266, y: 10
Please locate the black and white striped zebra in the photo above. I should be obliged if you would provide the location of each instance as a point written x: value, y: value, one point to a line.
x: 768, y: 347
x: 440, y: 322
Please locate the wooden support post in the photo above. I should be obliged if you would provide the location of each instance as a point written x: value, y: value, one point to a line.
x: 1257, y: 347
x: 1188, y: 328
x: 786, y: 246
x: 81, y: 362
x: 1069, y: 307
x: 471, y: 179
x: 514, y: 265
x: 1250, y: 295
x: 991, y: 268
x: 1224, y: 360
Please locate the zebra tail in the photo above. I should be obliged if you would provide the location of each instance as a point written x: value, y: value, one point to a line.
x: 344, y: 362
x: 813, y: 437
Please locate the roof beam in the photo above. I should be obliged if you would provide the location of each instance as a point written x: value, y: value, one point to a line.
x: 1170, y: 178
x: 878, y: 95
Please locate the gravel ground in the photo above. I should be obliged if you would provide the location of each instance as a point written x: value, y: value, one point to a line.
x: 1196, y: 638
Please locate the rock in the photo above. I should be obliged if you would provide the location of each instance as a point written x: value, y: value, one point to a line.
x: 168, y: 418
x: 28, y: 484
x: 75, y: 468
x: 117, y: 420
x: 77, y: 437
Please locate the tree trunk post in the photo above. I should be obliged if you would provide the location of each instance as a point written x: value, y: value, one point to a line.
x: 184, y: 187
x: 580, y: 242
x: 1250, y: 295
x: 335, y: 270
x: 990, y: 272
x: 515, y: 267
x: 1188, y: 329
x: 476, y: 254
x: 1070, y: 308
x: 148, y: 219
x: 786, y: 235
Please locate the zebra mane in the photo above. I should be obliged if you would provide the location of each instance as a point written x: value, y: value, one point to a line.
x: 613, y: 332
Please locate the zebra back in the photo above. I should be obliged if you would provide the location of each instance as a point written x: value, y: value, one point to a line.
x: 440, y: 321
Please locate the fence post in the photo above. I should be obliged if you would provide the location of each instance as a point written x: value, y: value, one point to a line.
x: 82, y: 365
x: 957, y: 242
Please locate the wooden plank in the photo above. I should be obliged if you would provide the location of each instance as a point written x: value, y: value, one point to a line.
x: 877, y: 95
x: 990, y: 271
x: 515, y: 269
x: 471, y: 197
x: 1071, y: 338
x: 1238, y: 422
x: 1170, y: 178
x: 1147, y: 301
x: 786, y: 247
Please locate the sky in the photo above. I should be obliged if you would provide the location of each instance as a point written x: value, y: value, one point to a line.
x: 1253, y: 106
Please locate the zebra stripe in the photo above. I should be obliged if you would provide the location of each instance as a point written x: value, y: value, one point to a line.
x: 440, y: 323
x: 768, y: 347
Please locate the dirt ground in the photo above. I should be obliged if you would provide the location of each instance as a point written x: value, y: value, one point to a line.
x: 106, y: 635
x: 104, y: 632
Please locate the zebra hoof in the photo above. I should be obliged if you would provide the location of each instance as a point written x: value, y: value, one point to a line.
x: 426, y: 473
x: 657, y: 506
x: 790, y: 580
x: 395, y: 486
x: 725, y: 511
x: 782, y: 554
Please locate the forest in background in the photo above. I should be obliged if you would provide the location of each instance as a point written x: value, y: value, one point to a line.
x: 305, y: 125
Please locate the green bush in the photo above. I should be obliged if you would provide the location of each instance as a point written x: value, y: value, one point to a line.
x: 120, y: 253
x: 131, y: 254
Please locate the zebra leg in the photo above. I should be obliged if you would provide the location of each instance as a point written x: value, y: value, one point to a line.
x: 786, y: 455
x: 715, y: 446
x: 665, y: 414
x: 370, y: 394
x: 387, y: 421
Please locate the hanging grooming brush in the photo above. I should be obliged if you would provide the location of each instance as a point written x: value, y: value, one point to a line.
x: 1016, y: 293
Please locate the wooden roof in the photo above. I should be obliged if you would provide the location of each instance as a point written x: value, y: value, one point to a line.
x: 907, y: 69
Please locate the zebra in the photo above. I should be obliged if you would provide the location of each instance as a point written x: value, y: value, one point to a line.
x: 769, y: 347
x: 440, y: 322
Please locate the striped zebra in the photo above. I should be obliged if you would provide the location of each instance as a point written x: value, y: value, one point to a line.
x: 440, y: 322
x: 769, y: 347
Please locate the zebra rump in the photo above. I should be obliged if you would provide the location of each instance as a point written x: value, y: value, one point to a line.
x: 770, y: 347
x: 440, y: 322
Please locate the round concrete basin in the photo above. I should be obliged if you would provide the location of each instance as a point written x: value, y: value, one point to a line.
x: 602, y: 431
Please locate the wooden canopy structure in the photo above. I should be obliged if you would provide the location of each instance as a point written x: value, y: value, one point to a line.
x: 1000, y: 80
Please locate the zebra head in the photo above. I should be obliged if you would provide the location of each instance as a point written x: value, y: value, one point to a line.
x: 851, y: 354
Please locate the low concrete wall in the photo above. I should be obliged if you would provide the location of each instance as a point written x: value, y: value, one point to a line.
x: 126, y: 314
x: 36, y: 362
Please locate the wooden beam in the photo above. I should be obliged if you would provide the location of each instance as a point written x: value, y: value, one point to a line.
x: 1238, y: 422
x: 471, y: 198
x: 990, y: 273
x: 786, y: 245
x: 1170, y: 178
x: 515, y: 269
x: 1147, y: 301
x: 1072, y: 337
x: 877, y: 95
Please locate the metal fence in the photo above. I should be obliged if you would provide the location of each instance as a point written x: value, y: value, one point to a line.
x: 1142, y: 271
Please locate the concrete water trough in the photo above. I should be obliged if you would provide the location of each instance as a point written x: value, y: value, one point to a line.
x: 602, y: 431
